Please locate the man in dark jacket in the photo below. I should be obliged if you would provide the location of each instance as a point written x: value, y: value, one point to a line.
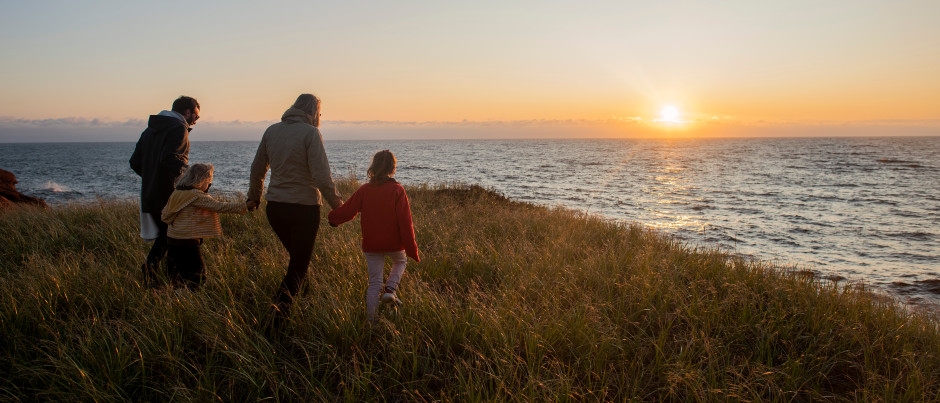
x: 161, y: 155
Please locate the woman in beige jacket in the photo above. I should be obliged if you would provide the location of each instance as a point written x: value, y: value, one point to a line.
x: 300, y: 179
x: 192, y: 214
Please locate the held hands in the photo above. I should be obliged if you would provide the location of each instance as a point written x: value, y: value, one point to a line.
x: 251, y: 205
x: 335, y: 203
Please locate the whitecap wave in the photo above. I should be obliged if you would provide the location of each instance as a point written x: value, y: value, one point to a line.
x: 55, y: 187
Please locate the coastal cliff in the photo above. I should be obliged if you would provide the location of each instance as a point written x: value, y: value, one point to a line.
x: 10, y: 197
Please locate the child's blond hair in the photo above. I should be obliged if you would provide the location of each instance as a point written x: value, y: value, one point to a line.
x: 197, y: 176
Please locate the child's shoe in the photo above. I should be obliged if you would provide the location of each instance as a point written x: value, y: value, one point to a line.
x: 390, y: 297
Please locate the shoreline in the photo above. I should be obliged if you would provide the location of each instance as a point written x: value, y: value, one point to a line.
x: 856, y: 208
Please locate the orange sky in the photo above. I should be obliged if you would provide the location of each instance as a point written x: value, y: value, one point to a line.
x: 798, y: 64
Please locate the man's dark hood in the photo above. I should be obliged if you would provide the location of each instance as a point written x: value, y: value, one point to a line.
x: 166, y: 120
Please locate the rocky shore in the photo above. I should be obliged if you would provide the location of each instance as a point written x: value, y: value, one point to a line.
x: 10, y: 197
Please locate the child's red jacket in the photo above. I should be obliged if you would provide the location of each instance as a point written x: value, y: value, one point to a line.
x: 386, y: 218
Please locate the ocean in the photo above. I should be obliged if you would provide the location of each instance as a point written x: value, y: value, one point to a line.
x: 855, y: 209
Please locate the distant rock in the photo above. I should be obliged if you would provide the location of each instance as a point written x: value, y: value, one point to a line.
x: 9, y: 197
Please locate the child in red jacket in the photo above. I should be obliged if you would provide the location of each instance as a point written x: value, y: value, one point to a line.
x: 387, y: 229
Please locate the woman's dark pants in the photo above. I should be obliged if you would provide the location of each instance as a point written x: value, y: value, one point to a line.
x: 296, y: 226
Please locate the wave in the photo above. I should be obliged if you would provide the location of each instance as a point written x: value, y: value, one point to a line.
x: 929, y: 286
x: 914, y: 236
x: 906, y: 163
x: 51, y: 186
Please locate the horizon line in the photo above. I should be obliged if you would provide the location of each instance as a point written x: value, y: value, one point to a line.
x: 628, y: 120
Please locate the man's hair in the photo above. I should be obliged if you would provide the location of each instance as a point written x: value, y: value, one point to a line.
x: 196, y: 176
x: 184, y: 103
x: 383, y: 167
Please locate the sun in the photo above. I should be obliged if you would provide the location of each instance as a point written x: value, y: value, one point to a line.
x: 669, y: 114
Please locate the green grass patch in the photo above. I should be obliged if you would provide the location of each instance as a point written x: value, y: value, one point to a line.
x: 511, y: 302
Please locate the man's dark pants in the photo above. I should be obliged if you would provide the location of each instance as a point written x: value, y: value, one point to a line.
x: 157, y: 252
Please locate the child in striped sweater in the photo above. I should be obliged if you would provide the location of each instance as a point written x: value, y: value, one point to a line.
x: 192, y: 214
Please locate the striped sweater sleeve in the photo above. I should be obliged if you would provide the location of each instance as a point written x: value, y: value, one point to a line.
x: 208, y: 203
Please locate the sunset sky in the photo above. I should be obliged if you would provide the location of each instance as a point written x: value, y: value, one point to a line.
x: 95, y: 70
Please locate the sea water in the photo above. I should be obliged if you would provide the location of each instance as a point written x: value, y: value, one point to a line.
x: 863, y: 209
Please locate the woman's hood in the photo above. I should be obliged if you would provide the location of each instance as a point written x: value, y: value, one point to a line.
x: 294, y: 115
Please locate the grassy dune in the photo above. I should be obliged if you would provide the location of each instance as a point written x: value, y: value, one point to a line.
x: 512, y: 302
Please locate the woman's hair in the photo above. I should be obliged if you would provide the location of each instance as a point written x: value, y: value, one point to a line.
x: 197, y: 176
x: 310, y: 104
x: 383, y: 166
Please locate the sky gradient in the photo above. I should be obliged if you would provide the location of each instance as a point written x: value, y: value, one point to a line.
x: 418, y: 69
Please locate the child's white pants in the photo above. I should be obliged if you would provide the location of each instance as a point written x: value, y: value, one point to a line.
x: 376, y: 263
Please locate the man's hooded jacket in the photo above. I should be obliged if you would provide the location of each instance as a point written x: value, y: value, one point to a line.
x: 161, y: 156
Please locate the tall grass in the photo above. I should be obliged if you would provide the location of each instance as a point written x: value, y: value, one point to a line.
x: 511, y: 302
